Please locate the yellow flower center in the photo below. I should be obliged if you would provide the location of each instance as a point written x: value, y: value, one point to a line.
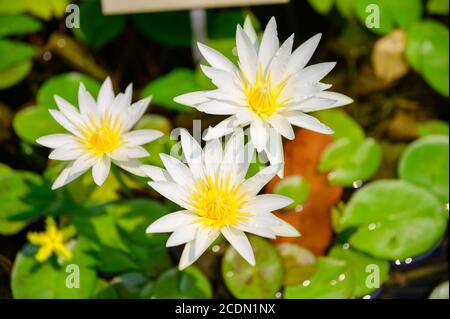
x: 217, y: 202
x: 103, y: 137
x: 262, y: 97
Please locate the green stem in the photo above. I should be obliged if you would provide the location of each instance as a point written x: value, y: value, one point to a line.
x: 118, y: 175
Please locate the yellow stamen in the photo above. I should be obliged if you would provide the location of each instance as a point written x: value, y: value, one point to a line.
x: 218, y: 202
x: 262, y: 98
x: 52, y: 240
x: 103, y: 137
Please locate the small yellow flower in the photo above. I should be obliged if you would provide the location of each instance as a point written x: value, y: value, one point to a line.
x: 52, y: 241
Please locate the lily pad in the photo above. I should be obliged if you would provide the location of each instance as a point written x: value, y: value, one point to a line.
x: 260, y: 281
x: 294, y: 187
x: 331, y: 280
x: 46, y: 9
x: 440, y: 292
x: 18, y: 24
x: 14, y: 74
x: 299, y: 263
x: 66, y: 86
x: 425, y: 163
x: 189, y: 283
x: 34, y: 122
x: 13, y: 52
x: 343, y: 125
x: 433, y: 127
x: 31, y: 279
x: 166, y: 87
x: 394, y: 219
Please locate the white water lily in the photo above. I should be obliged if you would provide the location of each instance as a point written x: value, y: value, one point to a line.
x: 98, y: 134
x: 216, y: 197
x: 271, y: 89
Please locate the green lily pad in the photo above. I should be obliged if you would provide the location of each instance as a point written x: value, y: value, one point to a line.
x: 13, y: 52
x: 343, y: 125
x: 394, y: 219
x: 331, y: 280
x: 299, y: 263
x: 66, y: 86
x: 189, y: 283
x: 350, y: 161
x: 361, y: 267
x: 440, y: 292
x: 31, y: 279
x: 437, y: 6
x: 322, y: 6
x: 14, y: 74
x: 103, y: 290
x: 46, y: 9
x: 433, y: 127
x: 295, y: 187
x: 18, y: 24
x: 427, y: 52
x: 260, y: 281
x: 11, y: 7
x: 34, y: 122
x: 96, y: 29
x: 166, y: 87
x: 425, y: 163
x: 392, y: 14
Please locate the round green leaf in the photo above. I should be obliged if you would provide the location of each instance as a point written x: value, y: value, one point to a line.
x: 18, y: 24
x: 342, y: 124
x: 295, y: 187
x: 433, y: 127
x: 46, y: 9
x: 394, y: 219
x: 361, y: 266
x: 425, y: 163
x: 260, y: 281
x: 96, y: 29
x: 299, y: 263
x: 11, y: 7
x: 166, y: 87
x: 103, y: 290
x: 14, y: 74
x: 34, y: 122
x: 13, y: 52
x: 31, y: 279
x: 331, y: 280
x: 189, y: 283
x: 440, y: 292
x: 427, y: 52
x: 322, y: 6
x: 437, y: 6
x: 66, y: 86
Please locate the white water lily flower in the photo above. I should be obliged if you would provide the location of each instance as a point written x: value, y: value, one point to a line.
x: 98, y: 134
x: 216, y: 197
x: 271, y: 89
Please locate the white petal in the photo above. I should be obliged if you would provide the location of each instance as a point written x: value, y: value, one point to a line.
x: 193, y: 153
x: 223, y: 128
x: 280, y: 60
x: 301, y: 56
x: 269, y: 44
x: 55, y: 140
x: 250, y: 31
x: 255, y: 183
x: 204, y: 238
x: 132, y: 165
x: 275, y: 153
x: 156, y: 173
x: 105, y: 95
x: 247, y: 55
x: 69, y: 111
x: 314, y: 73
x: 65, y: 177
x: 284, y: 229
x: 282, y: 125
x: 266, y: 202
x: 133, y: 152
x: 192, y: 98
x: 307, y: 121
x: 218, y: 108
x: 314, y: 103
x: 100, y: 170
x: 86, y: 102
x: 239, y: 242
x: 212, y: 156
x: 140, y: 137
x: 215, y: 58
x: 82, y: 163
x: 182, y: 235
x: 119, y: 154
x: 179, y: 172
x: 188, y: 256
x: 136, y: 111
x: 64, y: 122
x: 171, y: 191
x: 259, y: 133
x: 260, y: 231
x: 66, y: 153
x: 170, y: 222
x: 340, y: 99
